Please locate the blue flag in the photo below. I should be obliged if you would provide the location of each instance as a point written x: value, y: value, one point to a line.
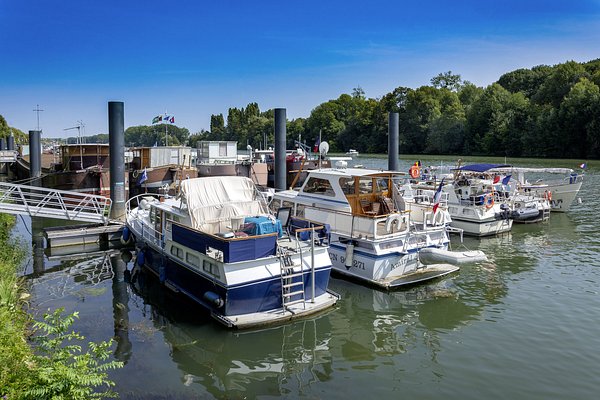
x: 506, y: 180
x: 143, y: 178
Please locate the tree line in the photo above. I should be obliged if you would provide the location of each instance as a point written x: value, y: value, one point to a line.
x: 544, y: 111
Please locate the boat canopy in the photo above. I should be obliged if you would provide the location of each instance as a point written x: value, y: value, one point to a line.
x: 480, y: 167
x: 219, y: 198
x: 536, y: 170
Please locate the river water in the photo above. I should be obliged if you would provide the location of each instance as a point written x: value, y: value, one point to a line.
x: 525, y: 325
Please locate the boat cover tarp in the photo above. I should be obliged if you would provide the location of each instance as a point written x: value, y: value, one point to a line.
x: 481, y: 167
x: 219, y: 198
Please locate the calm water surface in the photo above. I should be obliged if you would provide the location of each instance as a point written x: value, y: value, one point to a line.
x: 525, y: 325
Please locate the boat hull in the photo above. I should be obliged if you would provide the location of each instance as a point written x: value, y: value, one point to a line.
x: 386, y: 271
x: 482, y: 228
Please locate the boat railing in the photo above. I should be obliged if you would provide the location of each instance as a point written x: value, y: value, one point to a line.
x: 148, y: 233
x: 375, y: 226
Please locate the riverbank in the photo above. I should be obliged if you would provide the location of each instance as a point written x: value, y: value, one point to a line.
x: 43, y: 360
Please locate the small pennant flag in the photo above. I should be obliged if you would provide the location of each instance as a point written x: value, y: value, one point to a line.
x: 583, y: 166
x: 156, y: 119
x: 496, y: 179
x: 143, y: 178
x: 506, y: 180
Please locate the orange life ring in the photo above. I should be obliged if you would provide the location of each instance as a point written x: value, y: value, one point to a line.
x: 415, y: 172
x: 488, y: 200
x: 548, y: 195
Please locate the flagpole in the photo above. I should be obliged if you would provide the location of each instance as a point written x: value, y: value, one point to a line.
x: 166, y: 133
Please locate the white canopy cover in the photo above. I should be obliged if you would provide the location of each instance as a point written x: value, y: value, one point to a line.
x: 212, y: 200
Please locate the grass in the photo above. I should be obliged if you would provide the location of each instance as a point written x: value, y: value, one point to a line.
x: 43, y: 359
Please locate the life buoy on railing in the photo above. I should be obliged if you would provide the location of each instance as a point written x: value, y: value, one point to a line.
x: 488, y: 200
x: 415, y: 171
x: 548, y: 195
x: 391, y: 220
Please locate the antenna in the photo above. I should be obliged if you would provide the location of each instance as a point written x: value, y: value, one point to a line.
x: 80, y: 125
x: 37, y: 110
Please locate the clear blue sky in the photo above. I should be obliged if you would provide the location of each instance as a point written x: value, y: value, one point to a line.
x: 196, y: 58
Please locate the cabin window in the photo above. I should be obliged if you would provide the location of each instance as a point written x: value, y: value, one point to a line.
x: 223, y: 149
x: 365, y: 185
x: 382, y: 184
x: 211, y: 268
x: 177, y: 252
x: 192, y: 259
x: 318, y: 186
x: 347, y: 185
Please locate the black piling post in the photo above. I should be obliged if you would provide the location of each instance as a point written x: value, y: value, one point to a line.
x: 11, y: 142
x: 116, y: 139
x: 35, y: 155
x: 393, y: 140
x: 280, y: 147
x: 3, y: 144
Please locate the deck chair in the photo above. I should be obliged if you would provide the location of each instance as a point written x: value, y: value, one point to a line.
x: 386, y: 204
x: 284, y: 215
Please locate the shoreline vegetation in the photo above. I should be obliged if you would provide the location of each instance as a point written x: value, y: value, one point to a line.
x: 43, y: 359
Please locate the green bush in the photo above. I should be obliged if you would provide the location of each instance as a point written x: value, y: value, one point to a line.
x: 56, y: 366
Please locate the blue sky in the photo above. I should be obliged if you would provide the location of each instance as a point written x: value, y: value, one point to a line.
x: 195, y: 58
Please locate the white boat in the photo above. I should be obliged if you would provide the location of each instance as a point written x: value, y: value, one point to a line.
x: 372, y: 239
x: 218, y: 244
x: 473, y: 203
x: 560, y: 192
x: 432, y: 255
x: 352, y: 152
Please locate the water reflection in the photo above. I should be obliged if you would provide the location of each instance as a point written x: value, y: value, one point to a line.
x: 373, y: 324
x: 276, y: 361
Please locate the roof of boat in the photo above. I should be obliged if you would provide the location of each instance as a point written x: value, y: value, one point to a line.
x: 481, y: 167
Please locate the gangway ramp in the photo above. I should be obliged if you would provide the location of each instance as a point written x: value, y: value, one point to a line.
x: 50, y: 203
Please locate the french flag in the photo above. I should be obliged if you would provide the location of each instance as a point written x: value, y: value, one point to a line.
x: 437, y: 196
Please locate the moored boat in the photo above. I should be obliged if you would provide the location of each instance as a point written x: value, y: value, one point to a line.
x: 560, y: 192
x: 217, y: 244
x: 373, y: 238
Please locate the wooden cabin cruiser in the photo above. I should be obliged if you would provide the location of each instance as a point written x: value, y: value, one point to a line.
x: 372, y: 239
x: 218, y: 244
x: 560, y: 192
x: 473, y: 203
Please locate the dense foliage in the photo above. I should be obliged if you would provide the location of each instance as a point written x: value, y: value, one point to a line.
x: 5, y: 131
x: 58, y: 366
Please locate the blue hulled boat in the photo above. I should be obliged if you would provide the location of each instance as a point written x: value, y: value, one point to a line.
x: 217, y: 243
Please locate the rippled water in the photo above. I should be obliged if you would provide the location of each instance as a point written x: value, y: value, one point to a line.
x: 526, y: 325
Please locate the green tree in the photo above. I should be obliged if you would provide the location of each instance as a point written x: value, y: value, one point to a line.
x: 579, y: 116
x: 559, y: 83
x: 447, y: 80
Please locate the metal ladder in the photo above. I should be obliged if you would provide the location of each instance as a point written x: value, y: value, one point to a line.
x: 292, y: 291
